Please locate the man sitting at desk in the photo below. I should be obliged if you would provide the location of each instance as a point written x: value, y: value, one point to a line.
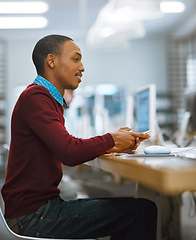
x: 40, y: 143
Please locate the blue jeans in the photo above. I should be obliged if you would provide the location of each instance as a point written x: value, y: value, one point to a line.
x: 120, y: 218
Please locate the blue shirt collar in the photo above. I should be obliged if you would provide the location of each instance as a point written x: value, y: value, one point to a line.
x: 51, y: 88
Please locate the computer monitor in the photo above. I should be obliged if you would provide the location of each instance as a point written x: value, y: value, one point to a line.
x: 187, y: 129
x: 146, y: 110
x: 190, y: 105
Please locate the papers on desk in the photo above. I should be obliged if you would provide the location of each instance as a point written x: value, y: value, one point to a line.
x: 143, y: 155
x: 188, y: 152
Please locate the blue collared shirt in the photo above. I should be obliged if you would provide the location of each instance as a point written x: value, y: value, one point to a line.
x: 51, y: 88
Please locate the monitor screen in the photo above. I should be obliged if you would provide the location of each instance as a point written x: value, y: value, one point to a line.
x: 190, y: 105
x: 146, y: 109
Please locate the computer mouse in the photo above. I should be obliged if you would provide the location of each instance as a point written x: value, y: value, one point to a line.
x: 156, y: 149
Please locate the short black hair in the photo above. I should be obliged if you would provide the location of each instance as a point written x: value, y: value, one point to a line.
x: 50, y: 44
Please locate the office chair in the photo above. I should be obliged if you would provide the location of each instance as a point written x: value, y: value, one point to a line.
x: 7, y: 234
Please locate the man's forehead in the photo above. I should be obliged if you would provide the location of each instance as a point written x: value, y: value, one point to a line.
x: 71, y: 47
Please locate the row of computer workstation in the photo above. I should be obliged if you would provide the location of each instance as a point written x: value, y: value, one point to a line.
x: 162, y: 168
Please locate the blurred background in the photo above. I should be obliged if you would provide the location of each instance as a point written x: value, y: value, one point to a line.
x: 125, y: 44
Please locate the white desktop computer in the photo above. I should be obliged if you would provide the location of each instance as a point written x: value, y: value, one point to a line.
x: 146, y: 118
x: 146, y: 110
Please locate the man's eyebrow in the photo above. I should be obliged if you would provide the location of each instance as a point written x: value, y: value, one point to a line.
x: 78, y: 54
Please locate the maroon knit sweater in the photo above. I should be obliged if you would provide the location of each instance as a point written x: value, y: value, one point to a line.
x: 39, y: 144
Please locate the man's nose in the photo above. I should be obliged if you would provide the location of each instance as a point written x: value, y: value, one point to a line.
x: 81, y: 67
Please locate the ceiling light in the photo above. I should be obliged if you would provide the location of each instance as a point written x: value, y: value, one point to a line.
x: 22, y: 22
x: 106, y: 32
x: 172, y: 7
x: 123, y: 14
x: 141, y: 9
x: 23, y: 7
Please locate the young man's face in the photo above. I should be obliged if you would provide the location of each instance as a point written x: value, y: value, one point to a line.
x: 68, y: 66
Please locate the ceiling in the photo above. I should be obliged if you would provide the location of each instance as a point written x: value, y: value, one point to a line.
x: 75, y: 17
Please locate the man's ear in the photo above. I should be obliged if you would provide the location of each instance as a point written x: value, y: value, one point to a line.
x: 50, y: 60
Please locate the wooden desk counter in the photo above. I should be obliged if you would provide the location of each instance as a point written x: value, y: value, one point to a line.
x: 158, y: 178
x: 166, y: 175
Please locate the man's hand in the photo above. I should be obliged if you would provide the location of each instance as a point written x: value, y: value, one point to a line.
x: 127, y: 141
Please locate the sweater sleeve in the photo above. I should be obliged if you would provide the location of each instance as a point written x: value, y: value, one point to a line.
x: 40, y: 114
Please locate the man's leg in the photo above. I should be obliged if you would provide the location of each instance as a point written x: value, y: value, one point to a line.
x: 120, y: 218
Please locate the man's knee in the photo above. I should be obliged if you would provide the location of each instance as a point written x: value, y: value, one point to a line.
x: 148, y: 206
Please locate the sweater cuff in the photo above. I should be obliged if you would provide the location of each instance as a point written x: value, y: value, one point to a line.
x: 109, y: 139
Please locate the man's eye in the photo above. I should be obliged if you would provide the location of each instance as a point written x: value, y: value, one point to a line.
x: 76, y: 59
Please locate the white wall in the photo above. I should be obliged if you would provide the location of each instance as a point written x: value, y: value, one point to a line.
x: 20, y: 71
x: 143, y: 63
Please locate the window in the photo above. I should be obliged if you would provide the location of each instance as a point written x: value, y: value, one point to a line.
x: 2, y: 92
x: 182, y: 71
x: 191, y: 71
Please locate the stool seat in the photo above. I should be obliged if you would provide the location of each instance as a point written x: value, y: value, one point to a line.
x: 7, y: 234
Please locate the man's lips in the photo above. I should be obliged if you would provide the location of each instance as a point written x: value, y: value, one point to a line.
x: 79, y: 75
